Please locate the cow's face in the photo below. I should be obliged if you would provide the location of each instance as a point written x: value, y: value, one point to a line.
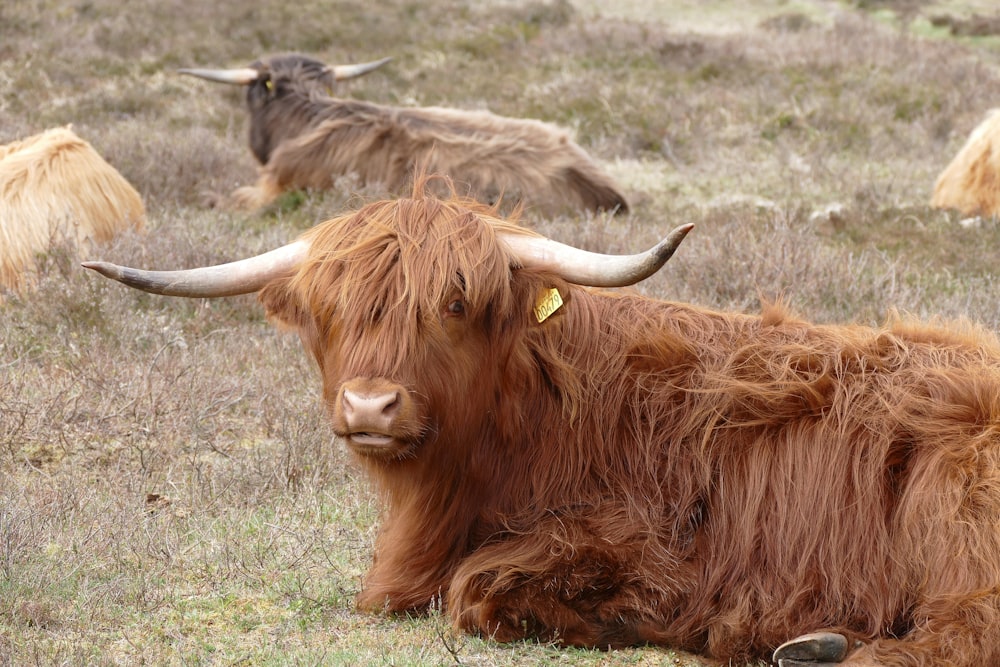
x: 410, y: 316
x: 282, y: 75
x: 278, y: 97
x: 427, y: 317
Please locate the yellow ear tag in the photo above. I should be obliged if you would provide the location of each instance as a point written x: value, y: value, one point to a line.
x: 269, y: 84
x: 548, y: 302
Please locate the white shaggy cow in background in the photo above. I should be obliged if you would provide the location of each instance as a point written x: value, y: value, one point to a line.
x: 971, y: 183
x: 55, y: 188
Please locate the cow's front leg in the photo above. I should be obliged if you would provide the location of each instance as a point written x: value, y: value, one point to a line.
x: 585, y: 591
x: 520, y: 610
x: 253, y: 197
x: 506, y: 604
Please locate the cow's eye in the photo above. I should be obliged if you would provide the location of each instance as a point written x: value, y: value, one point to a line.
x: 456, y: 308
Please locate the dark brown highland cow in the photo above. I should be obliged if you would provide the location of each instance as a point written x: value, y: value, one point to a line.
x: 617, y: 470
x: 304, y: 138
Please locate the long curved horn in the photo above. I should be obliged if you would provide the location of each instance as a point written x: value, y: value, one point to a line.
x: 239, y: 77
x: 590, y: 268
x: 341, y: 72
x: 251, y: 274
x: 240, y: 277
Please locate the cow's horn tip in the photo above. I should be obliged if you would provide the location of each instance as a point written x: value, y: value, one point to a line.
x: 104, y: 268
x: 675, y: 237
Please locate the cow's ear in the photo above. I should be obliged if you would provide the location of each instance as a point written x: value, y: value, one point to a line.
x: 282, y: 304
x: 542, y: 294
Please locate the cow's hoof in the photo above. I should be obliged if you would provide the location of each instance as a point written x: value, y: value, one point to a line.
x: 818, y: 649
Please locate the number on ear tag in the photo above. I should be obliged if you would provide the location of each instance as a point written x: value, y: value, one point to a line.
x: 548, y: 302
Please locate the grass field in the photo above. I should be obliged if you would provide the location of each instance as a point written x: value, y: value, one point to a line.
x: 169, y: 490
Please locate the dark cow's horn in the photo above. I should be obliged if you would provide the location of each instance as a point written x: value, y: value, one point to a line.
x: 240, y: 277
x: 590, y: 268
x: 239, y: 77
x: 341, y: 72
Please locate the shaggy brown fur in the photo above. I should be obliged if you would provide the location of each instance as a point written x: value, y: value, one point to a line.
x: 305, y: 139
x: 633, y: 470
x: 54, y: 188
x: 971, y: 183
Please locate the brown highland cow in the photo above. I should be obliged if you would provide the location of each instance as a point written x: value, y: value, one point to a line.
x: 599, y: 468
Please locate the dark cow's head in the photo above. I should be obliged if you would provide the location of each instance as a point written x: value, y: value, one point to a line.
x: 415, y: 310
x: 278, y: 93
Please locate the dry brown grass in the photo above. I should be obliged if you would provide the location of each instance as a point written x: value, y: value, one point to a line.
x: 169, y: 491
